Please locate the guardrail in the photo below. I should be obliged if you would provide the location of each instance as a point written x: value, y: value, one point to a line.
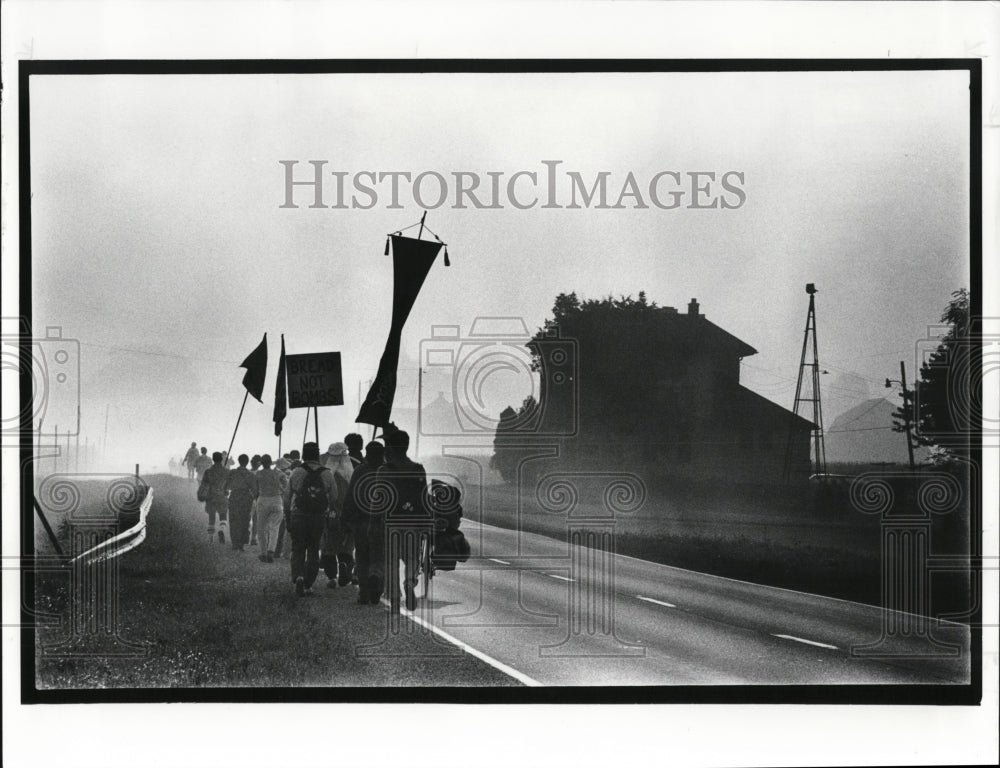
x: 124, y: 542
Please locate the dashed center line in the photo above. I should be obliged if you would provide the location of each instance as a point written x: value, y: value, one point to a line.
x: 807, y: 642
x: 502, y: 562
x: 561, y: 578
x: 658, y: 602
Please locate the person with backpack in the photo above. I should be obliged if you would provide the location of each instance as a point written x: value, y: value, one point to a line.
x: 310, y: 495
x: 407, y: 518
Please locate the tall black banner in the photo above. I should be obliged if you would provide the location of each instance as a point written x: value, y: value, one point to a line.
x: 411, y: 261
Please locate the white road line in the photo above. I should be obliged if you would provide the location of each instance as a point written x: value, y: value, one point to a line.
x: 510, y: 671
x: 502, y: 562
x: 658, y: 602
x: 866, y: 606
x: 561, y: 578
x: 807, y: 642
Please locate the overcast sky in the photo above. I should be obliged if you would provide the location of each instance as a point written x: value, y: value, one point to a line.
x: 159, y: 241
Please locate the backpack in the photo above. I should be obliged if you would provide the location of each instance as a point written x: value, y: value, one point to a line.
x: 312, y: 497
x: 445, y: 500
x: 450, y: 549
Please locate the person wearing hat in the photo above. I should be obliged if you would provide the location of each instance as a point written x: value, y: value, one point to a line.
x: 337, y: 560
x: 311, y: 490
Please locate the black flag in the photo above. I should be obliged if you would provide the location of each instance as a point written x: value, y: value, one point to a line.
x: 411, y: 261
x: 280, y: 394
x: 256, y: 365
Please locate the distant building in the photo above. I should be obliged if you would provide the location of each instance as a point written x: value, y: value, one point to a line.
x: 864, y: 434
x: 689, y: 416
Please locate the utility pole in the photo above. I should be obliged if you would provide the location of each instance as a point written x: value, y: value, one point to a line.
x: 817, y: 439
x: 104, y: 450
x: 907, y: 410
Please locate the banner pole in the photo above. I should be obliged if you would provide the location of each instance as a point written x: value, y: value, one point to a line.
x: 230, y: 451
x: 420, y: 402
x: 421, y: 232
x: 305, y: 431
x: 316, y: 422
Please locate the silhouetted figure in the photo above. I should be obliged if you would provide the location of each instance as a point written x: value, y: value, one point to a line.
x: 203, y: 462
x: 355, y: 443
x: 216, y: 503
x: 241, y: 485
x: 338, y: 540
x: 254, y: 467
x: 403, y: 524
x: 357, y: 516
x: 189, y: 460
x: 272, y: 484
x: 311, y: 489
x: 293, y: 463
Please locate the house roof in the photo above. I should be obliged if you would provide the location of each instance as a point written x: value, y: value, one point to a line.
x: 747, y: 398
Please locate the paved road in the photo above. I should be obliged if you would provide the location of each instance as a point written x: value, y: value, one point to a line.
x: 666, y: 626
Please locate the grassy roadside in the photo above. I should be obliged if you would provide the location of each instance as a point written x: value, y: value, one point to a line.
x: 208, y: 616
x: 837, y: 554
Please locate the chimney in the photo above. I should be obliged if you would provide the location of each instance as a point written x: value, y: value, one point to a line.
x: 693, y: 308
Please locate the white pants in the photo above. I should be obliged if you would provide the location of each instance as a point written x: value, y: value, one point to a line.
x: 269, y: 514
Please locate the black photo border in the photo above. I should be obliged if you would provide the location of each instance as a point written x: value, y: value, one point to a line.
x: 969, y: 694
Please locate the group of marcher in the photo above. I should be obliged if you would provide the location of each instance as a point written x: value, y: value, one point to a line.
x: 334, y: 506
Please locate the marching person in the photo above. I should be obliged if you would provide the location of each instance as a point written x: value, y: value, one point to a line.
x: 189, y: 460
x: 354, y: 443
x: 216, y: 503
x: 311, y: 489
x: 273, y: 485
x: 404, y: 521
x: 357, y: 515
x: 338, y: 540
x: 255, y: 468
x: 202, y: 463
x: 241, y: 486
x: 287, y: 464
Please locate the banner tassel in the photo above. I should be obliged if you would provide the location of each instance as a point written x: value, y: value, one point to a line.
x: 386, y: 247
x: 447, y: 263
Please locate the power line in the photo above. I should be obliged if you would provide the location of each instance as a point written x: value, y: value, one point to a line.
x: 858, y: 429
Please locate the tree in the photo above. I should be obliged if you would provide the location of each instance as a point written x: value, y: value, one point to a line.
x: 942, y: 399
x: 621, y: 345
x: 505, y: 458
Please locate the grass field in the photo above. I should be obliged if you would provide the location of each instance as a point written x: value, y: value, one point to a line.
x: 832, y: 550
x: 203, y: 615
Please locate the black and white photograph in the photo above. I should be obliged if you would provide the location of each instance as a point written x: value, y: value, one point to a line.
x: 442, y: 379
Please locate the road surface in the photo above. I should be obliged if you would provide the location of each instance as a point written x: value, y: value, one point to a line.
x: 658, y: 625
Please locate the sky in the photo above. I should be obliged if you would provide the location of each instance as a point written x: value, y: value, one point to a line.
x: 161, y: 244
